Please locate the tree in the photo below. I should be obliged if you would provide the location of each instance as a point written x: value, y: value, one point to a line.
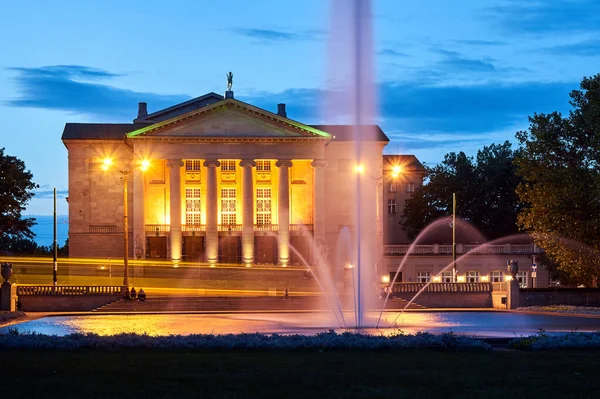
x: 485, y: 188
x: 559, y: 164
x: 15, y: 192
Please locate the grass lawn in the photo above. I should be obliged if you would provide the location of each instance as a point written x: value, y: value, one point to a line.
x: 140, y: 373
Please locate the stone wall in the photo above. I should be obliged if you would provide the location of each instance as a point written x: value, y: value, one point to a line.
x: 98, y: 245
x: 450, y: 299
x: 59, y: 303
x: 560, y: 296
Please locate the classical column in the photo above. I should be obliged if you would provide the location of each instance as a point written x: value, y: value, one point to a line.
x: 139, y: 226
x: 248, y: 209
x: 283, y: 205
x: 175, y: 201
x: 319, y: 166
x: 212, y: 211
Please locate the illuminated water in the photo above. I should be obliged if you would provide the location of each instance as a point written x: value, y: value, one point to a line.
x: 479, y: 324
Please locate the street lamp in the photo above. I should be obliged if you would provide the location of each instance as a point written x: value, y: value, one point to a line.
x: 108, y: 164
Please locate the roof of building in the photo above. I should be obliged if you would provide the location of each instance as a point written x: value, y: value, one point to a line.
x: 347, y: 132
x: 197, y: 102
x: 99, y: 131
x: 407, y: 162
x: 300, y: 129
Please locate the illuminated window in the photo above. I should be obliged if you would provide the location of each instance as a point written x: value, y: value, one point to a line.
x: 410, y: 187
x: 192, y: 206
x: 192, y: 165
x: 263, y: 165
x: 472, y: 277
x: 391, y: 206
x: 496, y: 277
x: 423, y: 277
x: 228, y: 165
x: 263, y: 206
x: 393, y: 187
x: 447, y: 277
x: 228, y: 205
x: 343, y: 165
x: 522, y: 279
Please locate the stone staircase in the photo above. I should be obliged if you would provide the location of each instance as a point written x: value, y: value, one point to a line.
x: 217, y: 304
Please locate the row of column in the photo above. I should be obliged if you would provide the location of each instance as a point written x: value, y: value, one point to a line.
x: 212, y: 216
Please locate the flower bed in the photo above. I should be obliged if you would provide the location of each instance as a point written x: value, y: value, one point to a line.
x: 327, y: 340
x: 543, y: 341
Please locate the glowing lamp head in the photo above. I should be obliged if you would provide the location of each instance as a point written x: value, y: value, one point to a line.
x: 106, y: 163
x: 145, y: 165
x: 385, y: 279
x: 359, y: 168
x: 396, y: 170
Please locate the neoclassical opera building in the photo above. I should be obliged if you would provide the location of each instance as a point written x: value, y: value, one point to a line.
x: 217, y: 180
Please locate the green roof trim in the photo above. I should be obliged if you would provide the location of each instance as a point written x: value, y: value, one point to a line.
x: 222, y: 105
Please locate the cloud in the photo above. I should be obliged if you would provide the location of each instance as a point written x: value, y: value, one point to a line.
x: 474, y: 42
x: 391, y: 53
x: 548, y: 16
x: 67, y: 71
x: 470, y: 109
x: 587, y: 48
x: 457, y: 62
x: 425, y: 109
x: 272, y: 35
x: 68, y: 88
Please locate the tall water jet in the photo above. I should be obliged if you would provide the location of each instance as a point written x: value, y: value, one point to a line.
x: 352, y: 100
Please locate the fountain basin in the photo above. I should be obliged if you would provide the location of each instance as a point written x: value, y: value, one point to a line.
x: 476, y: 324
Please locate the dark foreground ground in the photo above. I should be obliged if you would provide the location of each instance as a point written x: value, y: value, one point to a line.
x: 262, y: 374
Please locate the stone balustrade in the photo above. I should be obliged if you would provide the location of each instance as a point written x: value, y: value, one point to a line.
x: 436, y: 249
x: 67, y: 290
x: 441, y: 287
x: 161, y: 228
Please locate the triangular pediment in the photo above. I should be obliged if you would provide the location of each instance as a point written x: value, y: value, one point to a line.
x: 229, y: 118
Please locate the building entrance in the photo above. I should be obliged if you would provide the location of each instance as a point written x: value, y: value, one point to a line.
x: 193, y: 249
x: 156, y: 247
x: 230, y: 249
x: 265, y: 250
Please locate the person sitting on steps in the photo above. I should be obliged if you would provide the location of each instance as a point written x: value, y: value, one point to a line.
x: 141, y: 295
x: 133, y: 294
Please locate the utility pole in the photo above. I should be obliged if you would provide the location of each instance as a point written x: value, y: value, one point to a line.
x: 55, y: 247
x: 454, y: 268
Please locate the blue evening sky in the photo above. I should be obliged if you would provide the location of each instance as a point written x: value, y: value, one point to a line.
x: 450, y: 75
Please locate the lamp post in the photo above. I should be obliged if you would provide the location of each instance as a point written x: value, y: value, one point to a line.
x: 454, y: 268
x: 108, y: 165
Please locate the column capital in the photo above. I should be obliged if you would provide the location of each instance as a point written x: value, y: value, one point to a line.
x: 247, y: 162
x: 319, y: 163
x: 174, y: 163
x: 212, y: 162
x: 283, y: 163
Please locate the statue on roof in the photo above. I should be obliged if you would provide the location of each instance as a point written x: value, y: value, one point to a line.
x: 229, y: 80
